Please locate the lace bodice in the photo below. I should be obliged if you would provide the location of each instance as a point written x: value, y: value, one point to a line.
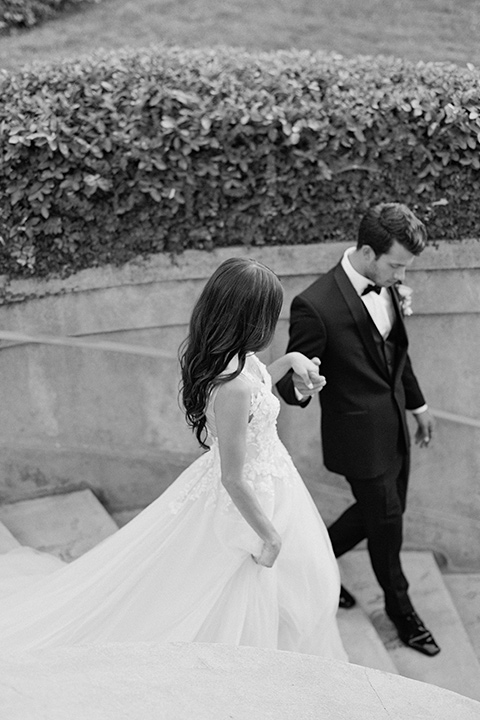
x: 266, y: 460
x: 264, y: 406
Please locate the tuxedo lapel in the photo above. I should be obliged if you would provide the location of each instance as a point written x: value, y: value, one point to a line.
x: 398, y: 312
x: 362, y: 319
x: 401, y: 332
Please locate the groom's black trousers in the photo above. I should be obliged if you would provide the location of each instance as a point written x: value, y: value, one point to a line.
x: 377, y: 515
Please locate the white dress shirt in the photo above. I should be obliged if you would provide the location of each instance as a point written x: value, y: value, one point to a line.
x: 379, y: 306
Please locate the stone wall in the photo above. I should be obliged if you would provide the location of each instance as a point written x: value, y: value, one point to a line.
x: 80, y: 417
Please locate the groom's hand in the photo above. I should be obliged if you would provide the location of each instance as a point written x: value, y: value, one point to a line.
x: 426, y: 425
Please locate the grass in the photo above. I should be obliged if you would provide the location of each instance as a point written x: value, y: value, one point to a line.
x: 430, y: 30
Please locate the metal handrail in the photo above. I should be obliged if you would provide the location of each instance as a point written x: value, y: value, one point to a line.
x: 452, y: 417
x: 145, y: 351
x: 104, y: 345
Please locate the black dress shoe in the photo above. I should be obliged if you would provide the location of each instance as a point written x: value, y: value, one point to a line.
x: 413, y: 633
x: 346, y: 600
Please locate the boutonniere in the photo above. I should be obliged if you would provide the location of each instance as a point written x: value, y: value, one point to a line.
x: 405, y: 297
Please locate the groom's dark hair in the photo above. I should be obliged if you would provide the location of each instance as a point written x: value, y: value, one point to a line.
x: 386, y: 223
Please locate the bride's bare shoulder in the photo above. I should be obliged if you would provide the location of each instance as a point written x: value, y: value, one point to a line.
x: 238, y: 387
x: 235, y: 393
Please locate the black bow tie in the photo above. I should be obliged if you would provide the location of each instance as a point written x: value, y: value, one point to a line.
x: 370, y: 288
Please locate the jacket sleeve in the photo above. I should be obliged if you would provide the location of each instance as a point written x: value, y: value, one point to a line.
x: 307, y: 335
x: 414, y: 397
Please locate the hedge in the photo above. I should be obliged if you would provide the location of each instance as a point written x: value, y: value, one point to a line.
x: 118, y: 155
x: 22, y: 14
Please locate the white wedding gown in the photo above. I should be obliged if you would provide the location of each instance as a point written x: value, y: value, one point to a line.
x: 182, y: 570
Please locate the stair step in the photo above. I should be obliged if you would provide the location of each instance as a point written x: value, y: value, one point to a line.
x: 63, y: 525
x: 7, y: 541
x: 456, y: 667
x: 465, y: 591
x: 122, y: 517
x: 362, y: 643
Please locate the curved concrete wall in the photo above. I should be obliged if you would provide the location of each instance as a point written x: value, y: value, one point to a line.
x: 72, y: 417
x: 209, y: 681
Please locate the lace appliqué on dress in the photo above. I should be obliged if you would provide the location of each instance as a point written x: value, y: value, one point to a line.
x: 204, y: 482
x: 266, y: 461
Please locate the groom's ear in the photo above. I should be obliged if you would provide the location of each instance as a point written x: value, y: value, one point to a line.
x: 368, y: 253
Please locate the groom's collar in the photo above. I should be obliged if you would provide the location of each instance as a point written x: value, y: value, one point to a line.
x: 358, y: 281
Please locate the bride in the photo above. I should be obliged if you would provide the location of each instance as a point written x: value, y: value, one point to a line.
x: 234, y: 551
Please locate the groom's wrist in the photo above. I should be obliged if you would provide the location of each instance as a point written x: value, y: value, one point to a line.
x: 419, y: 410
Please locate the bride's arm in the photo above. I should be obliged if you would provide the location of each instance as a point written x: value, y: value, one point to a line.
x: 232, y: 407
x: 305, y: 370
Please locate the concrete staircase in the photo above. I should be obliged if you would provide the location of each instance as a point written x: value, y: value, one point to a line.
x: 457, y: 666
x: 64, y: 525
x: 68, y: 525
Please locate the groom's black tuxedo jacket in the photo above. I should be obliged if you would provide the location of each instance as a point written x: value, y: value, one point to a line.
x: 370, y: 383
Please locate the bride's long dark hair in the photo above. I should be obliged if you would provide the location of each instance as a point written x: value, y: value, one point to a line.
x: 236, y: 313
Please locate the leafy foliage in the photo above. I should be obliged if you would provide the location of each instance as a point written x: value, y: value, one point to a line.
x: 21, y: 14
x: 118, y: 155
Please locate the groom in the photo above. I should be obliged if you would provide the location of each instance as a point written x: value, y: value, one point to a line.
x: 352, y: 319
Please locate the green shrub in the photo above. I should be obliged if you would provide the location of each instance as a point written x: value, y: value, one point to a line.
x: 114, y: 156
x: 20, y: 14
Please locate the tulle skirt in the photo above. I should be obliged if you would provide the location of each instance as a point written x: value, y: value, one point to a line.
x: 183, y: 570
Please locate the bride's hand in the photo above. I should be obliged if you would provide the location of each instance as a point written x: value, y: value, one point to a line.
x: 269, y: 552
x: 306, y: 377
